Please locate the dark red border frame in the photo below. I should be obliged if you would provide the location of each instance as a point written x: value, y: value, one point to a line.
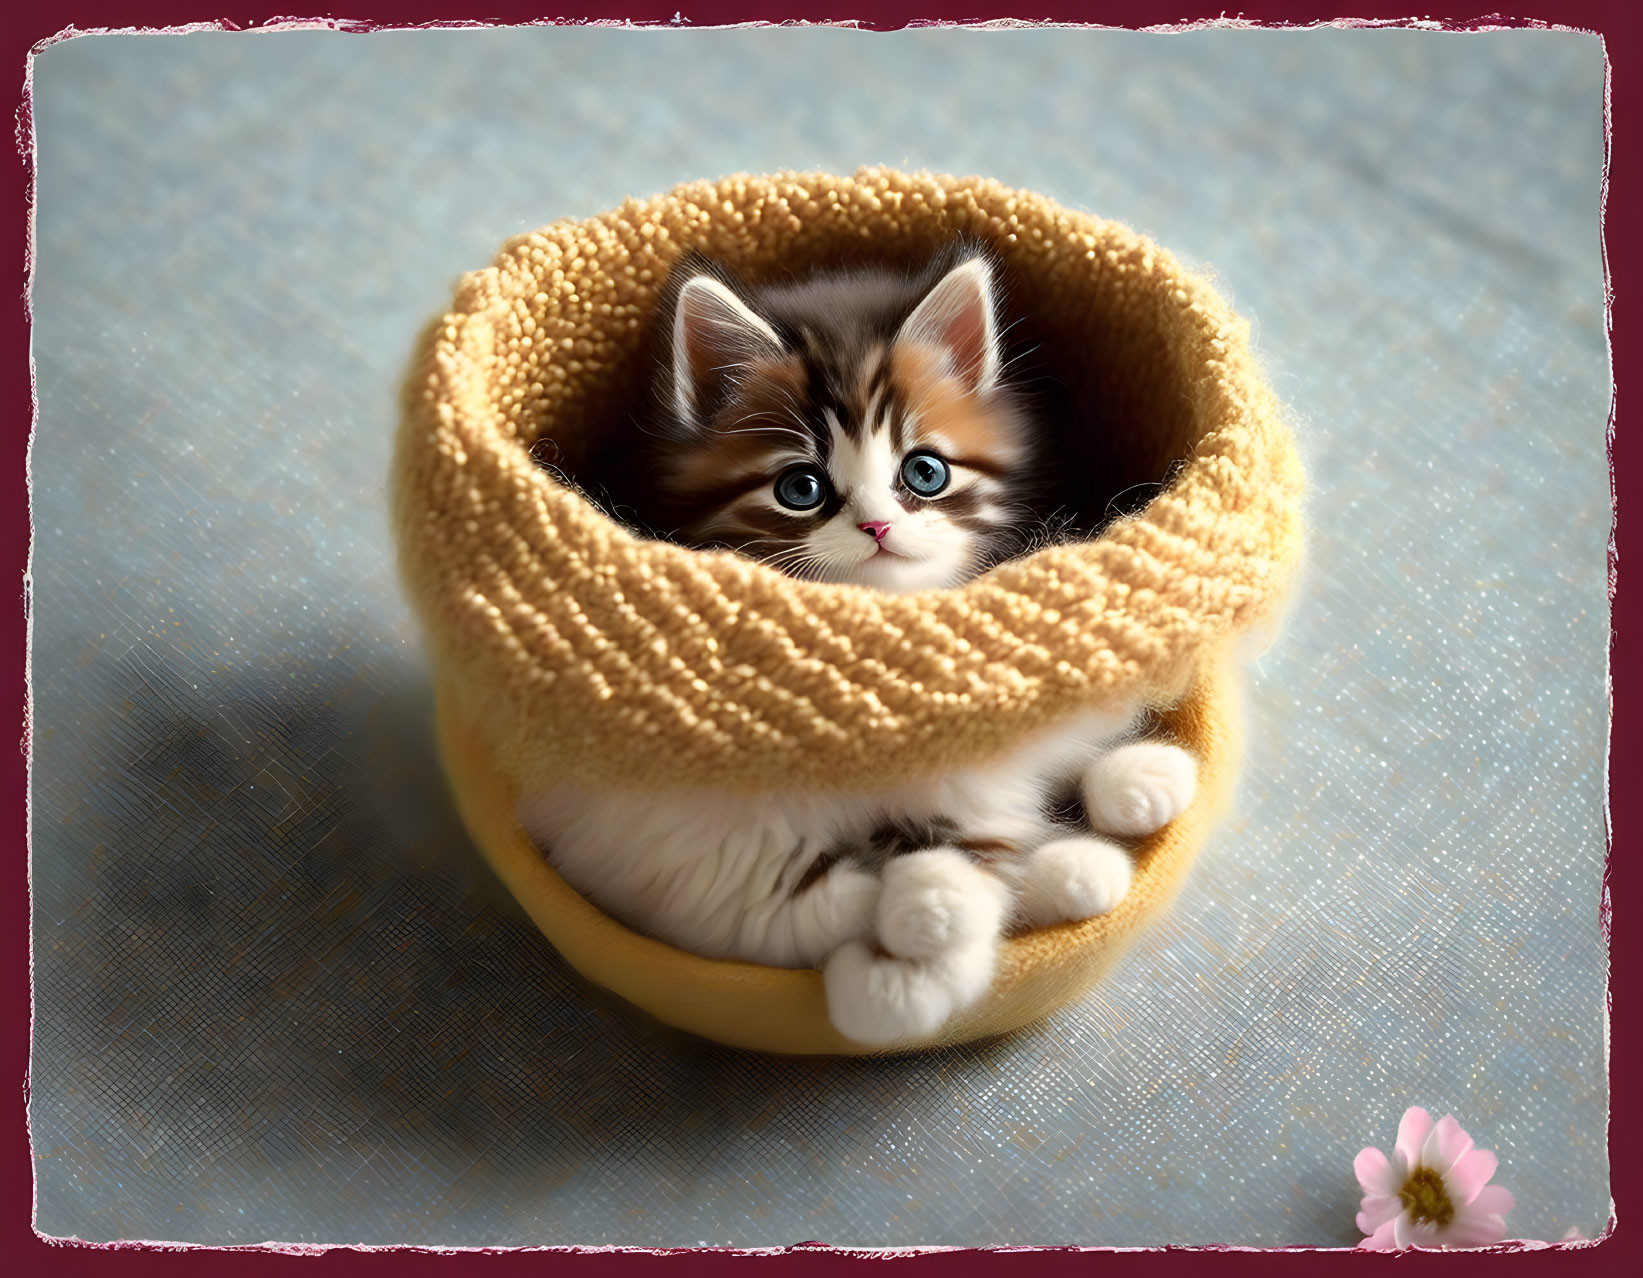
x: 1617, y: 21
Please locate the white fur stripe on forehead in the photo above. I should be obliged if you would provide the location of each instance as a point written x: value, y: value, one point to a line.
x: 863, y: 467
x: 714, y: 333
x: 956, y: 317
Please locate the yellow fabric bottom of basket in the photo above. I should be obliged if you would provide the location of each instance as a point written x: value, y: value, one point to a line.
x: 784, y: 1010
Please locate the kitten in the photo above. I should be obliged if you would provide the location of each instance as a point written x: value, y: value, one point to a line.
x: 858, y: 428
x: 849, y: 427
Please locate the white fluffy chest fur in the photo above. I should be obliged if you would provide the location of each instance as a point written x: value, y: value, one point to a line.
x: 714, y: 872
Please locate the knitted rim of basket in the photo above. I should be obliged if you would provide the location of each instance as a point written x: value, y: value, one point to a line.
x: 784, y: 1010
x: 581, y: 652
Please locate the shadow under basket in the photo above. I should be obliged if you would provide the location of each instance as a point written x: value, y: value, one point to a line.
x: 567, y: 648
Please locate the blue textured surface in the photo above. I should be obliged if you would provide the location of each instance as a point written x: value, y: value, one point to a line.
x: 278, y: 997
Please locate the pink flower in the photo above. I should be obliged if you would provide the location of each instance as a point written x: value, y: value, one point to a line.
x: 1433, y: 1191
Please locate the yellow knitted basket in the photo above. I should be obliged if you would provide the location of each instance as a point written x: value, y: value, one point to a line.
x: 566, y: 647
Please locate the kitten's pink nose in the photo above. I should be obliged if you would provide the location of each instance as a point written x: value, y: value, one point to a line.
x: 875, y: 528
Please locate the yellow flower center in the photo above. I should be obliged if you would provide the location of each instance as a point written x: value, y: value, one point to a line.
x: 1425, y: 1198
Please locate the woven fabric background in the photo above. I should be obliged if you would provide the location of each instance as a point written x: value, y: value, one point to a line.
x: 278, y: 996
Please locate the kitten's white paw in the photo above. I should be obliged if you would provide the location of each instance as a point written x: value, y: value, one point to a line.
x: 1139, y: 788
x: 879, y: 1001
x: 936, y: 901
x: 829, y: 913
x: 1072, y: 879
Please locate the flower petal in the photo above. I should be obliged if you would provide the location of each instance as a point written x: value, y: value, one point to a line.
x: 1380, y: 1240
x: 1446, y: 1143
x: 1471, y: 1172
x: 1468, y: 1230
x: 1492, y: 1200
x: 1376, y: 1173
x: 1406, y: 1233
x: 1378, y: 1210
x: 1412, y: 1134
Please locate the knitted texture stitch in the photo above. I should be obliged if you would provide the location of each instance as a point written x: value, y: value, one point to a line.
x: 584, y: 652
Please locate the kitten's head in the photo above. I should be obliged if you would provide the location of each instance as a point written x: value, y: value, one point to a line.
x: 850, y: 428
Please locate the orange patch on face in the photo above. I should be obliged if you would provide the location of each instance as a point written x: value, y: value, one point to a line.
x: 753, y: 434
x: 948, y: 418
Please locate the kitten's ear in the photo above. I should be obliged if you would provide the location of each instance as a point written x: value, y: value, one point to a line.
x: 957, y: 318
x: 714, y: 334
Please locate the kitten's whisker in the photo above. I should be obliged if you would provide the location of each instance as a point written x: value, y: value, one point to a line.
x: 1122, y: 493
x: 766, y: 430
x: 798, y: 419
x: 765, y: 424
x: 1009, y: 364
x: 784, y: 558
x: 637, y: 422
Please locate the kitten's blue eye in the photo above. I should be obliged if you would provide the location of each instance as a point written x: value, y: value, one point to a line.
x: 801, y: 489
x: 925, y: 473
